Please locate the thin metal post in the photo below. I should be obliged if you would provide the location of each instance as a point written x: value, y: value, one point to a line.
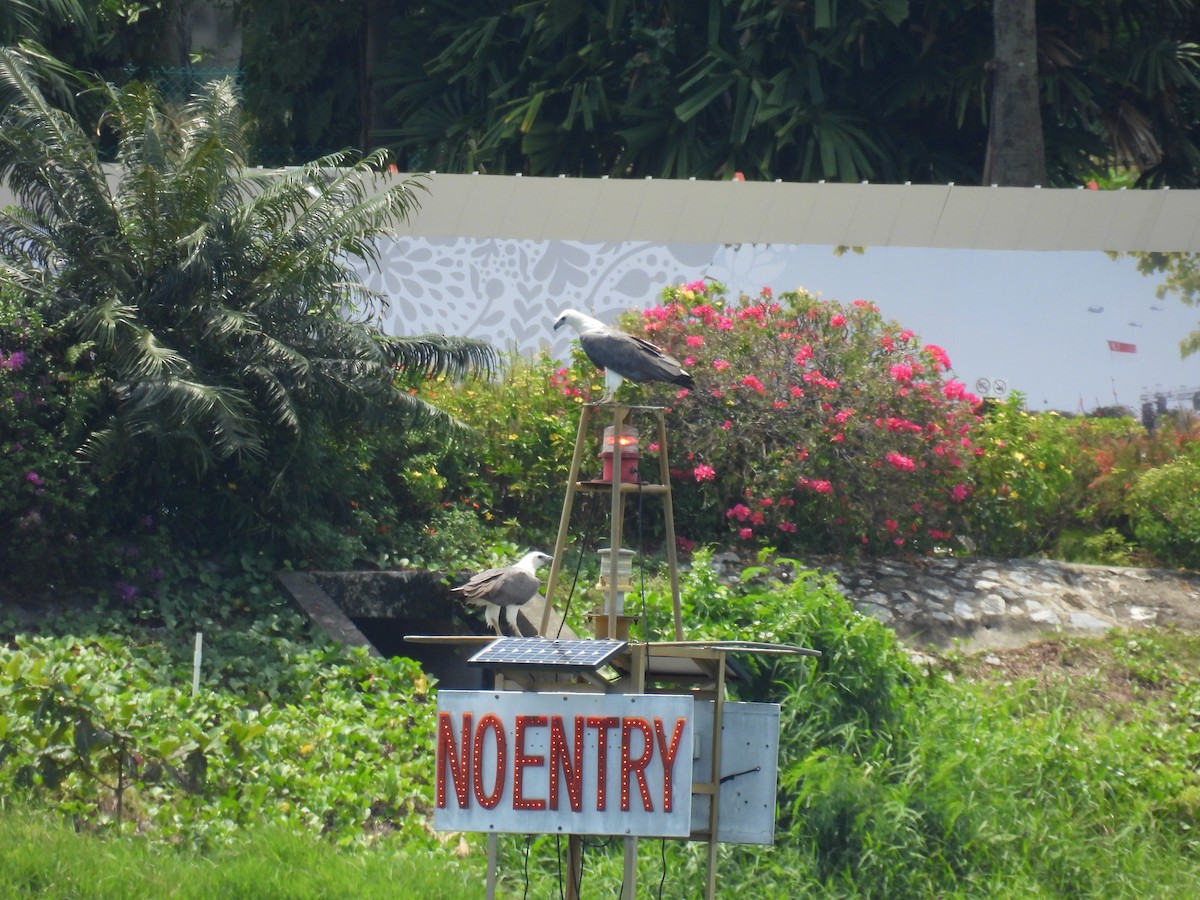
x: 617, y: 522
x: 664, y: 470
x: 714, y: 809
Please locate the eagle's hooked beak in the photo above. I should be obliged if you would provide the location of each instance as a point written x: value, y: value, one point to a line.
x: 558, y: 324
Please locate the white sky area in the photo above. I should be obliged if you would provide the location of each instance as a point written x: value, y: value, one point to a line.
x: 1019, y: 316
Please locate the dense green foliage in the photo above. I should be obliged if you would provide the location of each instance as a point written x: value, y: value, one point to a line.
x: 885, y: 91
x: 895, y: 780
x: 102, y: 721
x: 231, y: 345
x: 1164, y: 512
x: 1068, y: 487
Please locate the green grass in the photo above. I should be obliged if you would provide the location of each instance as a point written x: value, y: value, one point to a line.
x: 41, y: 856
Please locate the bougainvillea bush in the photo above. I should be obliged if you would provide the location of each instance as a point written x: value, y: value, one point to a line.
x: 813, y: 424
x: 53, y: 524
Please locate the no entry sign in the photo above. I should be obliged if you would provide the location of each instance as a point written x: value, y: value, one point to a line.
x: 570, y: 763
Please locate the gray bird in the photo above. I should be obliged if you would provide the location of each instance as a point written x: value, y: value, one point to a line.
x: 504, y: 587
x: 622, y: 356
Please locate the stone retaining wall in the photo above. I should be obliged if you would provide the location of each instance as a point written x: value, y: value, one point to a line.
x: 982, y: 603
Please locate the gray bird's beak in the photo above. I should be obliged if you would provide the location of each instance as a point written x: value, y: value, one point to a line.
x: 559, y: 324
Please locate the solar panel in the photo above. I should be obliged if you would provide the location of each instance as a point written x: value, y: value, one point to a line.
x: 587, y: 655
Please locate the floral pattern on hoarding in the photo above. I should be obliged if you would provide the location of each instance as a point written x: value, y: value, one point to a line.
x: 510, y: 291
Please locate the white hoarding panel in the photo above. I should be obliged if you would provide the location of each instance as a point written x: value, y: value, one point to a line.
x: 546, y: 763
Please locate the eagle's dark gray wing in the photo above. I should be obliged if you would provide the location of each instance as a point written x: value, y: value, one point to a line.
x: 505, y: 586
x: 631, y: 357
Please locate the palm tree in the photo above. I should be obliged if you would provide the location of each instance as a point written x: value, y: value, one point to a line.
x: 222, y: 303
x: 25, y: 18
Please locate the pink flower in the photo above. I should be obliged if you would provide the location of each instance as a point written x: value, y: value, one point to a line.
x: 720, y: 365
x: 890, y: 524
x: 803, y: 354
x: 724, y: 323
x: 838, y: 321
x: 687, y: 546
x: 900, y: 461
x: 745, y: 533
x: 726, y: 425
x: 766, y: 292
x: 704, y: 472
x: 694, y: 340
x: 954, y: 390
x: 960, y: 492
x: 813, y: 484
x: 696, y: 286
x: 751, y: 382
x: 938, y: 354
x: 689, y: 361
x: 789, y: 527
x: 741, y: 512
x: 902, y: 372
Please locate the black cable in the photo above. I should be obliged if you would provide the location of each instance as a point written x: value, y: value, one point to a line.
x: 587, y: 536
x: 579, y: 880
x: 558, y: 856
x: 646, y: 633
x: 528, y: 841
x: 663, y: 880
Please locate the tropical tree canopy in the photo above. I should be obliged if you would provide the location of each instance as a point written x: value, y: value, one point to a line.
x: 884, y: 90
x: 223, y: 305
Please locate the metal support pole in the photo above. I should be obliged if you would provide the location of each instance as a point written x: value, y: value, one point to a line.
x: 616, y: 522
x: 574, y: 865
x: 664, y: 474
x: 564, y: 523
x: 714, y: 809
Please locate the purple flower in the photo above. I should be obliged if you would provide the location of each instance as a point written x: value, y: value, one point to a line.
x: 125, y: 590
x: 34, y: 478
x: 14, y: 361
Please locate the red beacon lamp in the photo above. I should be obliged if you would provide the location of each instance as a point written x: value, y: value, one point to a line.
x: 629, y: 454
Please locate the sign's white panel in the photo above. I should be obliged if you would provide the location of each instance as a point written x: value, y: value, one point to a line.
x: 571, y: 763
x: 749, y: 771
